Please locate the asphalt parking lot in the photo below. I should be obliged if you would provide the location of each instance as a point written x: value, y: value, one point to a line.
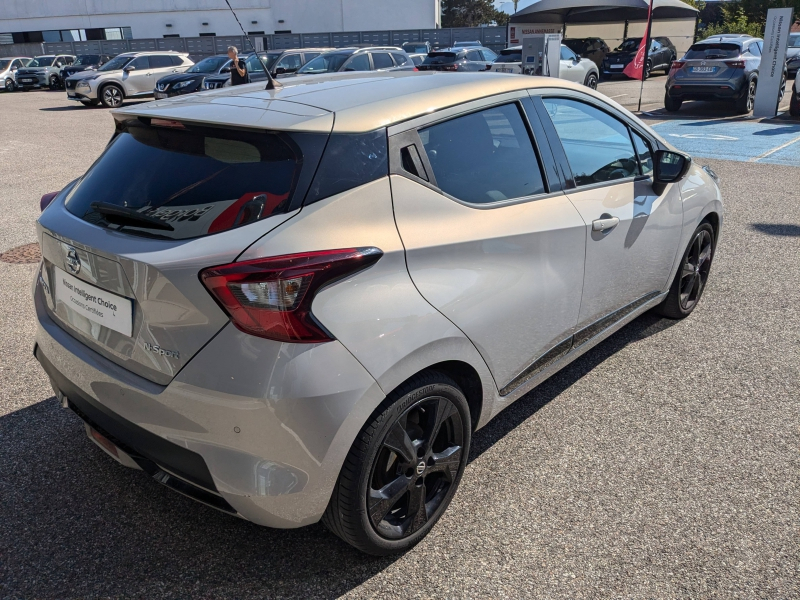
x: 663, y: 463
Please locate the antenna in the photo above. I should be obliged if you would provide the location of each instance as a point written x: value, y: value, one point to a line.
x: 271, y: 83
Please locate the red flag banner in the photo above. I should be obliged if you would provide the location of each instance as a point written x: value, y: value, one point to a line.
x: 635, y: 68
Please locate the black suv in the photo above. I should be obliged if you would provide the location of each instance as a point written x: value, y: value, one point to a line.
x: 191, y: 80
x: 593, y: 48
x: 84, y: 62
x: 459, y: 59
x: 659, y: 58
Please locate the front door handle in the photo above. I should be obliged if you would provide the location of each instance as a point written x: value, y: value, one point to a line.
x: 605, y: 224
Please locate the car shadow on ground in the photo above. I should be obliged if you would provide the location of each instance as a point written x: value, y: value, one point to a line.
x: 777, y: 229
x: 73, y: 523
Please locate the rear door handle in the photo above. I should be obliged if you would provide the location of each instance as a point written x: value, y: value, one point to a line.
x: 605, y: 224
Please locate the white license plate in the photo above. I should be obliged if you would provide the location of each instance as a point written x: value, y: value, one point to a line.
x: 703, y: 69
x: 617, y: 66
x: 93, y: 303
x: 26, y: 80
x: 160, y: 95
x: 504, y: 70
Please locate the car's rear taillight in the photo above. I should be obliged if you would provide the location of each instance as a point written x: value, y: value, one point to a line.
x: 271, y: 297
x: 677, y: 64
x: 735, y: 64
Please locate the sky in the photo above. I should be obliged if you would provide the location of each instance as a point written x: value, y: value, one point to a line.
x: 509, y: 6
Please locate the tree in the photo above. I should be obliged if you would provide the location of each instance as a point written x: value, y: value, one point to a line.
x: 471, y: 13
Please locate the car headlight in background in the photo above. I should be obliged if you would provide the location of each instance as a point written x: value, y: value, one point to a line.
x: 180, y: 84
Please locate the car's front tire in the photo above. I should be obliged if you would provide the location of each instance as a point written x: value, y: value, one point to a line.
x: 111, y: 95
x: 591, y: 81
x: 403, y: 468
x: 692, y: 275
x: 54, y: 83
x: 9, y: 85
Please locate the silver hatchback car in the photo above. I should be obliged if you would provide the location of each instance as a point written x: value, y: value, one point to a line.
x: 300, y: 303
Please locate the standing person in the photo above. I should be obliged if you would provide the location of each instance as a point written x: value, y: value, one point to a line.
x: 239, y: 74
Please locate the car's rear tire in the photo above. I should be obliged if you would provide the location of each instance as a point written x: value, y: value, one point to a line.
x: 794, y: 105
x: 591, y: 81
x: 745, y: 104
x: 672, y: 104
x: 403, y: 468
x: 10, y: 85
x: 692, y: 275
x: 111, y: 95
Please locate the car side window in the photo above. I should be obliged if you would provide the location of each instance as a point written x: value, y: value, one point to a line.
x: 310, y: 56
x: 474, y: 55
x: 656, y: 45
x: 488, y: 55
x: 597, y: 145
x: 360, y: 62
x: 399, y: 59
x: 644, y: 152
x: 290, y: 62
x: 140, y: 62
x: 754, y: 49
x: 382, y: 60
x: 484, y: 157
x: 253, y: 65
x: 160, y: 61
x: 177, y: 61
x: 567, y: 54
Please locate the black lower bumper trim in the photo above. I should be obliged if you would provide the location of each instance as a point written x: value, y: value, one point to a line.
x: 134, y: 440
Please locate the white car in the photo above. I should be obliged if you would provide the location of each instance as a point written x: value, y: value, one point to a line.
x: 129, y: 75
x: 571, y: 67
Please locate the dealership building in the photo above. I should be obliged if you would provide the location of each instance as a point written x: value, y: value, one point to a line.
x: 25, y: 22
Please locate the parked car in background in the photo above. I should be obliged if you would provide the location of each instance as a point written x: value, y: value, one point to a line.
x: 467, y: 44
x: 288, y: 62
x: 128, y: 75
x: 416, y: 47
x: 191, y: 80
x: 793, y: 54
x: 417, y: 58
x: 714, y: 70
x: 43, y: 71
x: 254, y: 63
x: 305, y: 313
x: 459, y: 59
x: 8, y: 71
x: 794, y: 104
x: 571, y: 66
x: 84, y: 62
x: 659, y: 58
x: 377, y: 58
x: 593, y: 48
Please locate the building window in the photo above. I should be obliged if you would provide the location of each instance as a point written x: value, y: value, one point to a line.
x: 255, y: 33
x: 51, y: 36
x: 283, y: 31
x: 207, y: 34
x: 172, y: 35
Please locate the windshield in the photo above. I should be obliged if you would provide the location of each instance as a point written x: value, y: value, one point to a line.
x: 198, y: 180
x: 271, y: 58
x: 576, y: 46
x: 509, y: 56
x: 415, y: 48
x: 87, y: 59
x: 4, y: 64
x: 209, y: 65
x: 325, y: 63
x: 630, y: 45
x: 707, y: 51
x: 116, y: 63
x: 794, y: 40
x: 42, y: 61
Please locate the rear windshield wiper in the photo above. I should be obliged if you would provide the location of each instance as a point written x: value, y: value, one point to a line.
x: 122, y: 215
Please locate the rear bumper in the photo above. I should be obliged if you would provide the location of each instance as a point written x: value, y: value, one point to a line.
x: 707, y: 91
x: 250, y: 426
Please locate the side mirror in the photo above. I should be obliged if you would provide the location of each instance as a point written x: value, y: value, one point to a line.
x: 14, y: 68
x: 129, y: 69
x: 225, y: 70
x: 669, y: 168
x: 280, y: 71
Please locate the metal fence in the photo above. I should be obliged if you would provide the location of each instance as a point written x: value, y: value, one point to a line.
x: 491, y: 37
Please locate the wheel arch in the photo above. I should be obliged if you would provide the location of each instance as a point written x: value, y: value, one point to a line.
x: 468, y: 380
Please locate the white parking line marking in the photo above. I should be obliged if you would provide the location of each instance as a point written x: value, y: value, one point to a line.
x: 703, y: 136
x: 774, y: 150
x: 618, y: 96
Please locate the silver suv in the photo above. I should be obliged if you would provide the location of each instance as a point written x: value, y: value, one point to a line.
x: 8, y: 71
x: 43, y: 71
x: 128, y: 75
x: 300, y: 303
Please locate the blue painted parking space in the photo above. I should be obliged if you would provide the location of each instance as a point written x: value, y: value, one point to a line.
x: 746, y: 141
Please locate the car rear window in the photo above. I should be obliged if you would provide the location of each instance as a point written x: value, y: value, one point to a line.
x: 198, y: 180
x: 712, y: 51
x: 509, y: 56
x: 438, y: 58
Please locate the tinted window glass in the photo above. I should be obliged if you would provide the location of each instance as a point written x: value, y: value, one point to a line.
x: 349, y: 160
x: 177, y: 61
x: 199, y: 180
x: 597, y: 145
x: 142, y: 62
x: 358, y: 63
x: 325, y: 63
x: 510, y: 56
x: 484, y: 157
x: 488, y: 54
x: 290, y: 62
x: 474, y: 55
x: 644, y: 152
x: 439, y: 58
x: 253, y: 65
x: 567, y: 54
x: 159, y: 61
x: 711, y: 51
x: 630, y: 45
x: 209, y: 65
x: 115, y: 63
x: 400, y: 59
x: 382, y: 60
x: 754, y: 50
x: 42, y: 61
x: 310, y: 55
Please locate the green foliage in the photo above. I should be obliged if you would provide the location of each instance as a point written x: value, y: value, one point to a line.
x: 471, y: 13
x: 735, y: 20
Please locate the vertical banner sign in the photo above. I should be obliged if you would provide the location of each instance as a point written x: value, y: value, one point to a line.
x: 773, y: 58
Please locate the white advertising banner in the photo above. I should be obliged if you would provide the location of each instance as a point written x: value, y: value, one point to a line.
x: 773, y: 59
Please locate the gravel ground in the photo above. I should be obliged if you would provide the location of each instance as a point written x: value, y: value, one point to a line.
x: 663, y: 463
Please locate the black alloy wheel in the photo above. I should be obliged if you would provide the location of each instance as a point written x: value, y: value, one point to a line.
x: 591, y: 81
x: 403, y: 468
x: 745, y: 104
x: 692, y: 276
x: 54, y: 85
x: 9, y: 85
x: 648, y: 66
